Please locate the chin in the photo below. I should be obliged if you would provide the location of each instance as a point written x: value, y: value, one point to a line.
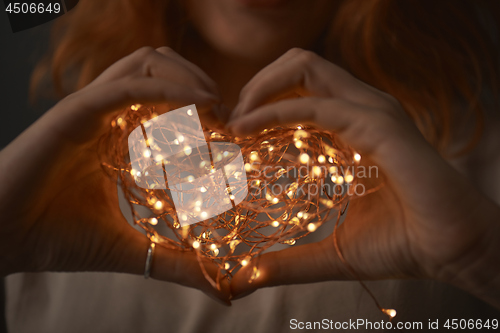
x: 258, y: 50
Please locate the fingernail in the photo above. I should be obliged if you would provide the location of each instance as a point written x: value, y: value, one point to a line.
x: 243, y: 294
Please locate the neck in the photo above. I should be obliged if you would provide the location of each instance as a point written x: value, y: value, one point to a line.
x: 230, y: 73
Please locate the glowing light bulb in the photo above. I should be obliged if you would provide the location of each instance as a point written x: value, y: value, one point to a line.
x: 390, y: 312
x: 280, y: 172
x: 321, y: 159
x: 304, y: 158
x: 189, y: 112
x: 349, y: 178
x: 158, y: 205
x: 245, y: 261
x: 180, y: 138
x: 234, y: 243
x: 311, y: 227
x: 275, y: 224
x: 227, y: 266
x: 190, y: 179
x: 316, y: 170
x: 187, y: 150
x: 135, y: 107
x: 254, y: 156
x: 204, y: 215
x: 147, y: 153
x: 153, y: 221
x: 299, y: 134
x: 196, y: 244
x: 357, y: 157
x: 255, y: 274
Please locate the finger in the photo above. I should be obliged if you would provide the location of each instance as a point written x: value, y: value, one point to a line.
x: 301, y: 72
x: 329, y: 114
x: 383, y: 137
x: 209, y: 84
x: 166, y: 64
x: 84, y: 114
x: 302, y: 264
x: 211, y: 118
x: 161, y: 63
x: 169, y: 265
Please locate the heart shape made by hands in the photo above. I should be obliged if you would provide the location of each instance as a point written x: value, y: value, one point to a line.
x: 225, y: 198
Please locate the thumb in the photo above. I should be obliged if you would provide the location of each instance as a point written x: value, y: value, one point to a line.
x: 301, y: 264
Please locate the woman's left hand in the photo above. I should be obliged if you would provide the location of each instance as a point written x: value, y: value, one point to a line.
x: 428, y: 221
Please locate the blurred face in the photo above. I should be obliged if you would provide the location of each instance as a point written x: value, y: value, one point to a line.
x: 260, y: 30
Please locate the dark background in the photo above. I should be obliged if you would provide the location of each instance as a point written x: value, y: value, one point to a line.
x: 19, y: 52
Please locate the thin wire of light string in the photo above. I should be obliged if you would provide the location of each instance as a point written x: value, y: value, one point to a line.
x: 300, y: 157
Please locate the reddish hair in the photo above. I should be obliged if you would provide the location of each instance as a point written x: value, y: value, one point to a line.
x: 431, y: 55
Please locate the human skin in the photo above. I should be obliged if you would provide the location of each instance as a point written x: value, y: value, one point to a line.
x: 60, y: 211
x: 417, y: 226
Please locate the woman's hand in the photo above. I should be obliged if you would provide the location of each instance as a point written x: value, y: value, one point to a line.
x: 426, y: 222
x: 59, y: 211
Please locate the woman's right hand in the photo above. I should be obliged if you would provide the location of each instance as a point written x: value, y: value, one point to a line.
x: 60, y: 211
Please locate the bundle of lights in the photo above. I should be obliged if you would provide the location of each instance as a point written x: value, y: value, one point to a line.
x: 294, y: 178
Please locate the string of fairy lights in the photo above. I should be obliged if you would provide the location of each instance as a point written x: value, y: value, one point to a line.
x: 294, y: 180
